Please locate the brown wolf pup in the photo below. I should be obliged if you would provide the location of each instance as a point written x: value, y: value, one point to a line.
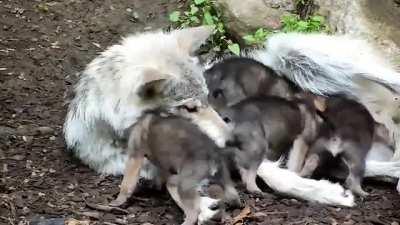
x: 346, y: 134
x: 189, y: 162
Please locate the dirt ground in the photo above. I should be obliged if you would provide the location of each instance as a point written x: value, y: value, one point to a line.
x: 42, y: 48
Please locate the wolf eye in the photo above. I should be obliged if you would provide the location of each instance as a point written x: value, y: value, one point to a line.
x: 217, y: 93
x: 190, y: 109
x: 227, y: 120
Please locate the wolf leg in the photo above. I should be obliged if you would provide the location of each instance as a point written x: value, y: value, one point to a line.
x: 129, y: 182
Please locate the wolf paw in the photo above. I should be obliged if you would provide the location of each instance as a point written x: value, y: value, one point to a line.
x: 209, y: 210
x: 120, y: 200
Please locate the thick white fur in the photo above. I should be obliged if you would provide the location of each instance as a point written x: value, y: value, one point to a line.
x: 106, y: 101
x: 290, y: 183
x: 379, y: 168
x: 378, y: 163
x: 326, y: 64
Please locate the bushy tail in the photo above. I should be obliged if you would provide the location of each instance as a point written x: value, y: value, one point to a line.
x: 325, y: 64
x: 290, y: 183
x: 94, y: 146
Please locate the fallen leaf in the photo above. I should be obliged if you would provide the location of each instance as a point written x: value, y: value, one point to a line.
x: 239, y: 219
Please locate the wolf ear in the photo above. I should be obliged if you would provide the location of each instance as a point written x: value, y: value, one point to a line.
x: 190, y: 39
x: 153, y: 85
x: 152, y: 90
x: 320, y: 103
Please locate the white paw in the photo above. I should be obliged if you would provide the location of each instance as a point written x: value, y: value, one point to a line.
x: 348, y: 199
x: 206, y: 212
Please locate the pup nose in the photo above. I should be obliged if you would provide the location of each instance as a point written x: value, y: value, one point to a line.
x: 233, y: 142
x: 230, y: 143
x: 396, y: 119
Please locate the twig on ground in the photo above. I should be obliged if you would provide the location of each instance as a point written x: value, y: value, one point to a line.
x: 106, y: 208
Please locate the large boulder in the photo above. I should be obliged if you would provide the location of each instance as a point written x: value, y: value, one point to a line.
x: 245, y: 16
x: 376, y: 21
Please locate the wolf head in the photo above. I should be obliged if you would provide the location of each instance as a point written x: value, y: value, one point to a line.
x: 162, y: 66
x: 172, y: 79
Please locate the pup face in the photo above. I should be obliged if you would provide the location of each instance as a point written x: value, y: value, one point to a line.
x: 235, y: 79
x: 247, y: 131
x: 224, y: 90
x: 200, y: 113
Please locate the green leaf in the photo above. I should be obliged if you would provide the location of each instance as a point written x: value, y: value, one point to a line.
x: 260, y: 32
x: 208, y: 19
x: 302, y: 25
x: 319, y: 19
x: 198, y: 2
x: 174, y: 16
x: 249, y: 39
x: 193, y: 9
x: 234, y: 48
x: 194, y: 19
x: 221, y: 27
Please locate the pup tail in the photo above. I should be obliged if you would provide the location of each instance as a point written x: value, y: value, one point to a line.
x: 325, y: 64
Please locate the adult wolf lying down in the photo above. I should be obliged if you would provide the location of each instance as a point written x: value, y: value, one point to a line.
x: 108, y: 95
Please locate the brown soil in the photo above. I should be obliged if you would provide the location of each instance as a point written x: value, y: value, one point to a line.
x: 42, y: 48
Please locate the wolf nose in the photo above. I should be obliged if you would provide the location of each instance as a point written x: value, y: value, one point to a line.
x: 234, y: 142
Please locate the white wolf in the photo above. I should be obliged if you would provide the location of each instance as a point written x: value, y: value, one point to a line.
x: 144, y: 71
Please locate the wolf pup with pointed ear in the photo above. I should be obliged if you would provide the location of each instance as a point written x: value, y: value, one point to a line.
x: 142, y: 72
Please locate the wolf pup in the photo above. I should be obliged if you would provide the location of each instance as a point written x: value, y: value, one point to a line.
x: 234, y: 79
x: 347, y: 133
x: 264, y: 127
x: 189, y: 162
x: 337, y: 64
x: 144, y: 71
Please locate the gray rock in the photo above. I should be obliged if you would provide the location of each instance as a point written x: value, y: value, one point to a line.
x: 245, y: 16
x: 6, y: 131
x: 45, y: 130
x: 375, y: 21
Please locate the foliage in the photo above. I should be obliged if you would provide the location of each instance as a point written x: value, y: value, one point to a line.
x: 292, y: 23
x: 203, y: 12
x: 257, y: 38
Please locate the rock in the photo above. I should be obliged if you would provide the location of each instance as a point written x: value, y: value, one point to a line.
x: 376, y: 21
x: 243, y: 17
x: 45, y: 130
x: 4, y: 131
x: 27, y: 139
x: 24, y: 130
x: 50, y: 221
x: 17, y: 157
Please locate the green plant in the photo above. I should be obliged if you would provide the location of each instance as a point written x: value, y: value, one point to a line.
x: 257, y: 38
x: 203, y: 12
x: 292, y: 23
